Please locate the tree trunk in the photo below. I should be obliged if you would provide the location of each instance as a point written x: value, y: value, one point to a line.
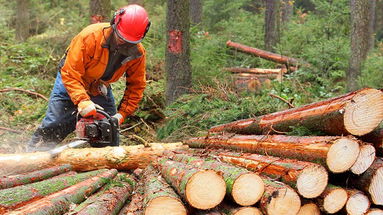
x: 59, y: 202
x: 99, y: 11
x: 279, y: 198
x: 357, y: 202
x: 238, y: 180
x: 309, y: 179
x: 16, y: 180
x: 135, y: 206
x: 372, y: 23
x: 287, y: 11
x: 195, y: 11
x: 338, y: 154
x: 257, y: 71
x: 22, y: 19
x: 85, y: 159
x: 272, y: 24
x: 178, y: 67
x: 159, y: 197
x: 309, y: 209
x: 22, y: 195
x: 333, y: 199
x: 360, y: 19
x: 356, y: 113
x: 202, y: 189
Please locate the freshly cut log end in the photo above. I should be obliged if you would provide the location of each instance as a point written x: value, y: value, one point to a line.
x: 312, y: 181
x: 375, y: 211
x: 248, y: 189
x: 364, y: 113
x: 376, y: 187
x: 309, y: 209
x: 205, y: 189
x: 165, y: 206
x: 357, y: 204
x: 342, y: 154
x: 365, y: 159
x: 335, y: 200
x: 284, y: 201
x: 247, y: 211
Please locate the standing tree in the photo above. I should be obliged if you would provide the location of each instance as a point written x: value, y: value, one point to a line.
x: 195, y: 11
x: 372, y: 23
x: 272, y: 23
x: 99, y: 11
x: 177, y: 61
x: 360, y: 39
x: 22, y: 20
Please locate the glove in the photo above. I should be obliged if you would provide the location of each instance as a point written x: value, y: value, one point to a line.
x: 119, y: 118
x: 87, y: 108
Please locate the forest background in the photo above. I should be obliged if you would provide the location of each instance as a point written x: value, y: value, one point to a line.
x: 317, y: 31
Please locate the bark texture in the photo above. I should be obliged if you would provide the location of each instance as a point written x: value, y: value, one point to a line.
x: 22, y: 19
x: 195, y: 11
x: 272, y: 24
x: 99, y: 11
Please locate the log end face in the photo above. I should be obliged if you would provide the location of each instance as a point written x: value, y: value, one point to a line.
x: 286, y: 202
x: 357, y: 204
x: 312, y: 181
x: 335, y: 201
x: 248, y: 211
x: 309, y: 209
x: 248, y: 189
x: 165, y: 206
x: 376, y: 187
x: 342, y: 154
x: 364, y: 112
x: 365, y: 159
x: 205, y: 189
x: 375, y: 211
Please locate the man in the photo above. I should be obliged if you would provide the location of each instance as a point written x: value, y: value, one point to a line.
x: 99, y: 55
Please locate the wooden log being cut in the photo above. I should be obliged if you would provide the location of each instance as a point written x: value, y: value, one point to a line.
x: 356, y: 113
x: 113, y: 198
x: 159, y: 197
x: 202, y: 189
x: 279, y: 198
x: 357, y: 202
x: 309, y: 179
x: 86, y: 159
x: 35, y: 176
x: 374, y: 211
x: 338, y: 154
x: 309, y: 209
x: 15, y: 197
x: 243, y: 186
x: 59, y: 202
x: 332, y: 200
x: 365, y: 159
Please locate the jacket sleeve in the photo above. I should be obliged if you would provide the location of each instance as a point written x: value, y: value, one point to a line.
x: 74, y: 69
x: 135, y: 86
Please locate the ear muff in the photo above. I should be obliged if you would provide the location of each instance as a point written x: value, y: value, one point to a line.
x: 147, y: 29
x: 113, y: 20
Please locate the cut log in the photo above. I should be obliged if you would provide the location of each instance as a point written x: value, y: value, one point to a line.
x: 59, y: 202
x: 365, y: 159
x: 309, y: 209
x: 256, y: 70
x: 374, y: 211
x: 355, y: 113
x: 243, y: 186
x: 279, y: 198
x: 16, y: 197
x: 159, y: 197
x: 86, y: 159
x: 27, y: 178
x: 376, y: 138
x: 332, y: 200
x: 264, y: 54
x: 338, y: 154
x: 357, y: 203
x: 112, y: 199
x: 309, y: 179
x: 135, y: 206
x: 202, y: 189
x: 245, y: 211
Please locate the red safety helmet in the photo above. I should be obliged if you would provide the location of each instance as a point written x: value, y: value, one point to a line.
x: 131, y: 23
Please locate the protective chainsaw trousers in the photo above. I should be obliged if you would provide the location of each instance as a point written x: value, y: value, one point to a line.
x: 61, y: 116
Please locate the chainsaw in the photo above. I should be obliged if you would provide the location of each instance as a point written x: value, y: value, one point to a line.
x: 99, y: 131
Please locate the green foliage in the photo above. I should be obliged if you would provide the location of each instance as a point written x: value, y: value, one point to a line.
x: 372, y: 74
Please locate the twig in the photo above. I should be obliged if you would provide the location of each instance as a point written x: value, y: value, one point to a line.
x: 282, y: 99
x: 133, y: 126
x: 10, y: 130
x: 142, y: 140
x: 25, y: 91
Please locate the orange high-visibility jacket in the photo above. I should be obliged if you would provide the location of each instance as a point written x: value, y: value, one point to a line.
x: 86, y: 61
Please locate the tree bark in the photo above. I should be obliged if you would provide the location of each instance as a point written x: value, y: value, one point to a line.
x: 135, y: 206
x: 196, y: 11
x: 332, y: 200
x: 356, y: 113
x: 177, y: 56
x: 202, y: 189
x: 376, y: 138
x: 272, y: 24
x: 17, y: 197
x: 307, y: 178
x: 85, y: 159
x: 59, y: 202
x: 372, y: 23
x: 338, y: 154
x: 27, y: 178
x: 256, y: 70
x: 238, y: 180
x: 99, y: 11
x: 22, y: 20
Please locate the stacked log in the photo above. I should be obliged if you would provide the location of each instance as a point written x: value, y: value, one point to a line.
x: 309, y: 209
x: 357, y: 202
x: 332, y: 200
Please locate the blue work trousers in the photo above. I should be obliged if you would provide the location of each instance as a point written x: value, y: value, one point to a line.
x: 61, y: 116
